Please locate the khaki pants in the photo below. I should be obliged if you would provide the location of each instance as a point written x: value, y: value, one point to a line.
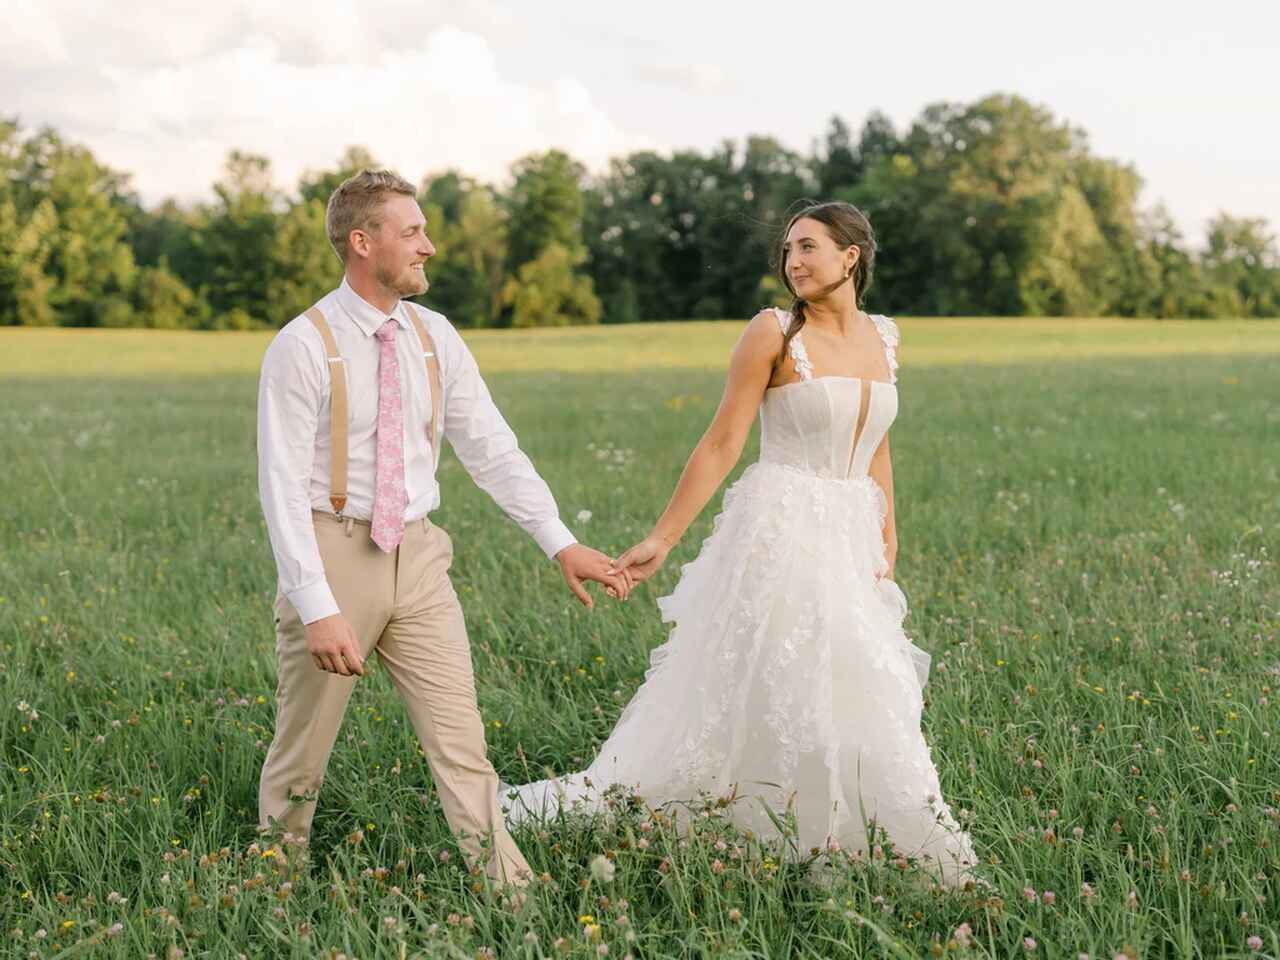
x: 402, y: 605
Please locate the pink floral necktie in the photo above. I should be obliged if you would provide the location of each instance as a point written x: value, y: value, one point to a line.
x: 389, y: 497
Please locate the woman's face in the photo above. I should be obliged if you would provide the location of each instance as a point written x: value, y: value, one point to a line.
x: 814, y: 262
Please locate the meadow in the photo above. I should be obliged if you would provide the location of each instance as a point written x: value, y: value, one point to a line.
x: 1089, y: 516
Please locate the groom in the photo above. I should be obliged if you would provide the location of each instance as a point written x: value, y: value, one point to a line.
x: 354, y: 399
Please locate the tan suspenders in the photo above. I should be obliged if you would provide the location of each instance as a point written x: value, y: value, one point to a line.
x: 338, y: 401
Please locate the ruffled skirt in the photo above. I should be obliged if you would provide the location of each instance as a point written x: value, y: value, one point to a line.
x: 786, y: 678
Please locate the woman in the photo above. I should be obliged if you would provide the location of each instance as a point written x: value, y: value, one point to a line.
x: 787, y: 675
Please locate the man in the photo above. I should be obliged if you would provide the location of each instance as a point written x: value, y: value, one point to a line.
x: 353, y: 398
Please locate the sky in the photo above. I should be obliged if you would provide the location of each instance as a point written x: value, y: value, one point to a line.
x: 1188, y: 93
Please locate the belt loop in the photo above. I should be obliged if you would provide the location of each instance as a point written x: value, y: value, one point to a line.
x: 348, y: 522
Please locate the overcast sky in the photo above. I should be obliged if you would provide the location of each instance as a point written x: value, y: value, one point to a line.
x: 1187, y: 92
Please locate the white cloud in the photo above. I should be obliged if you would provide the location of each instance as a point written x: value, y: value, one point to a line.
x: 167, y: 96
x: 31, y: 39
x: 690, y: 77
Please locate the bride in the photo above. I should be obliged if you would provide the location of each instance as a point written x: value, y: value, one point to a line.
x: 787, y: 676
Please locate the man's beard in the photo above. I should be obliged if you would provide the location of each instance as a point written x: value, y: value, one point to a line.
x: 410, y: 283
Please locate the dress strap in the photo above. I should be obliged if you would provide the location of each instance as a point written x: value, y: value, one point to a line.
x: 795, y: 348
x: 889, y: 334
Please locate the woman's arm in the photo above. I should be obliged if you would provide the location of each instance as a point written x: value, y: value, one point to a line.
x: 881, y: 471
x: 750, y: 369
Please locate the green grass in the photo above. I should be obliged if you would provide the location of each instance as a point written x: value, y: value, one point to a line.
x: 1089, y: 515
x: 112, y: 354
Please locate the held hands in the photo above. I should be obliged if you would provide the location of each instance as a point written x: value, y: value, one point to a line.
x: 643, y: 560
x: 579, y: 563
x: 333, y: 646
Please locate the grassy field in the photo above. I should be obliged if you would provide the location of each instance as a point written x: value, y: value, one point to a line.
x: 1089, y: 515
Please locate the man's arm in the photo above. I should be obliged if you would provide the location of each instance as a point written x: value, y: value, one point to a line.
x: 290, y: 393
x: 487, y: 447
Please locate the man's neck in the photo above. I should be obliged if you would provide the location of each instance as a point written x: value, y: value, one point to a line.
x: 374, y: 294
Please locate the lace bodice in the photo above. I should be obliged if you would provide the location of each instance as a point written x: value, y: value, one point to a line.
x: 830, y: 426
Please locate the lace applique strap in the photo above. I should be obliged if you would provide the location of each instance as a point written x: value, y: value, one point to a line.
x: 889, y: 334
x: 796, y: 347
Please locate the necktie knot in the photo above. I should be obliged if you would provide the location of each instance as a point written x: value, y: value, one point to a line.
x: 387, y: 331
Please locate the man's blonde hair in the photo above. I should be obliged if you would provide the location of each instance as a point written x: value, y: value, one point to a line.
x: 357, y: 205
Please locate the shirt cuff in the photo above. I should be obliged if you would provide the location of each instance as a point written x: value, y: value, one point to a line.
x: 314, y: 602
x: 553, y: 536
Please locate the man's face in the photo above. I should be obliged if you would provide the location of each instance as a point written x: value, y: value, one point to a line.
x: 399, y: 249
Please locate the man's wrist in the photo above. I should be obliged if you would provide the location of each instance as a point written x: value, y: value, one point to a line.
x: 553, y: 537
x: 314, y: 602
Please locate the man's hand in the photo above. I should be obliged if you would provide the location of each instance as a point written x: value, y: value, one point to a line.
x: 643, y: 560
x: 579, y: 563
x: 334, y: 647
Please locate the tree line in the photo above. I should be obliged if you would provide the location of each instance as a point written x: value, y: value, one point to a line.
x: 989, y: 208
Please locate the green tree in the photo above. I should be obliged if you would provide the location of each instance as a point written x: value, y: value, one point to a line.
x: 65, y: 212
x: 25, y: 287
x: 550, y: 292
x: 1241, y: 267
x: 468, y: 227
x: 544, y: 226
x: 304, y: 266
x: 837, y: 167
x: 545, y: 206
x: 238, y: 237
x: 978, y: 212
x: 163, y: 301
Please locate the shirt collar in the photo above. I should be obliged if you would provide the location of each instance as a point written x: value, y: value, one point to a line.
x: 365, y: 315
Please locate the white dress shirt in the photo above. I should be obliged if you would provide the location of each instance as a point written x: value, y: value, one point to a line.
x: 294, y: 442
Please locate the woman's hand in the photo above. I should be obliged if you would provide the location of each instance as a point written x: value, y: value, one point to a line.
x: 643, y: 560
x: 891, y: 557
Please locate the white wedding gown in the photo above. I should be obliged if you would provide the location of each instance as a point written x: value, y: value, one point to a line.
x: 787, y: 674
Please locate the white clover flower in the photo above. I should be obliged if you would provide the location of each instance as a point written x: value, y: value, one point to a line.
x: 602, y: 869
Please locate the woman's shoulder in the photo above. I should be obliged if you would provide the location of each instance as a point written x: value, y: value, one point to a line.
x: 773, y: 318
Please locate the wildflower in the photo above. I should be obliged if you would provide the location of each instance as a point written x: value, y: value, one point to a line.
x: 735, y: 915
x: 1254, y: 943
x: 530, y: 937
x: 115, y: 929
x: 584, y: 516
x: 1029, y: 944
x: 1086, y: 890
x: 1030, y: 894
x: 962, y: 935
x: 602, y: 869
x: 1077, y: 832
x: 1049, y: 898
x: 1131, y: 901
